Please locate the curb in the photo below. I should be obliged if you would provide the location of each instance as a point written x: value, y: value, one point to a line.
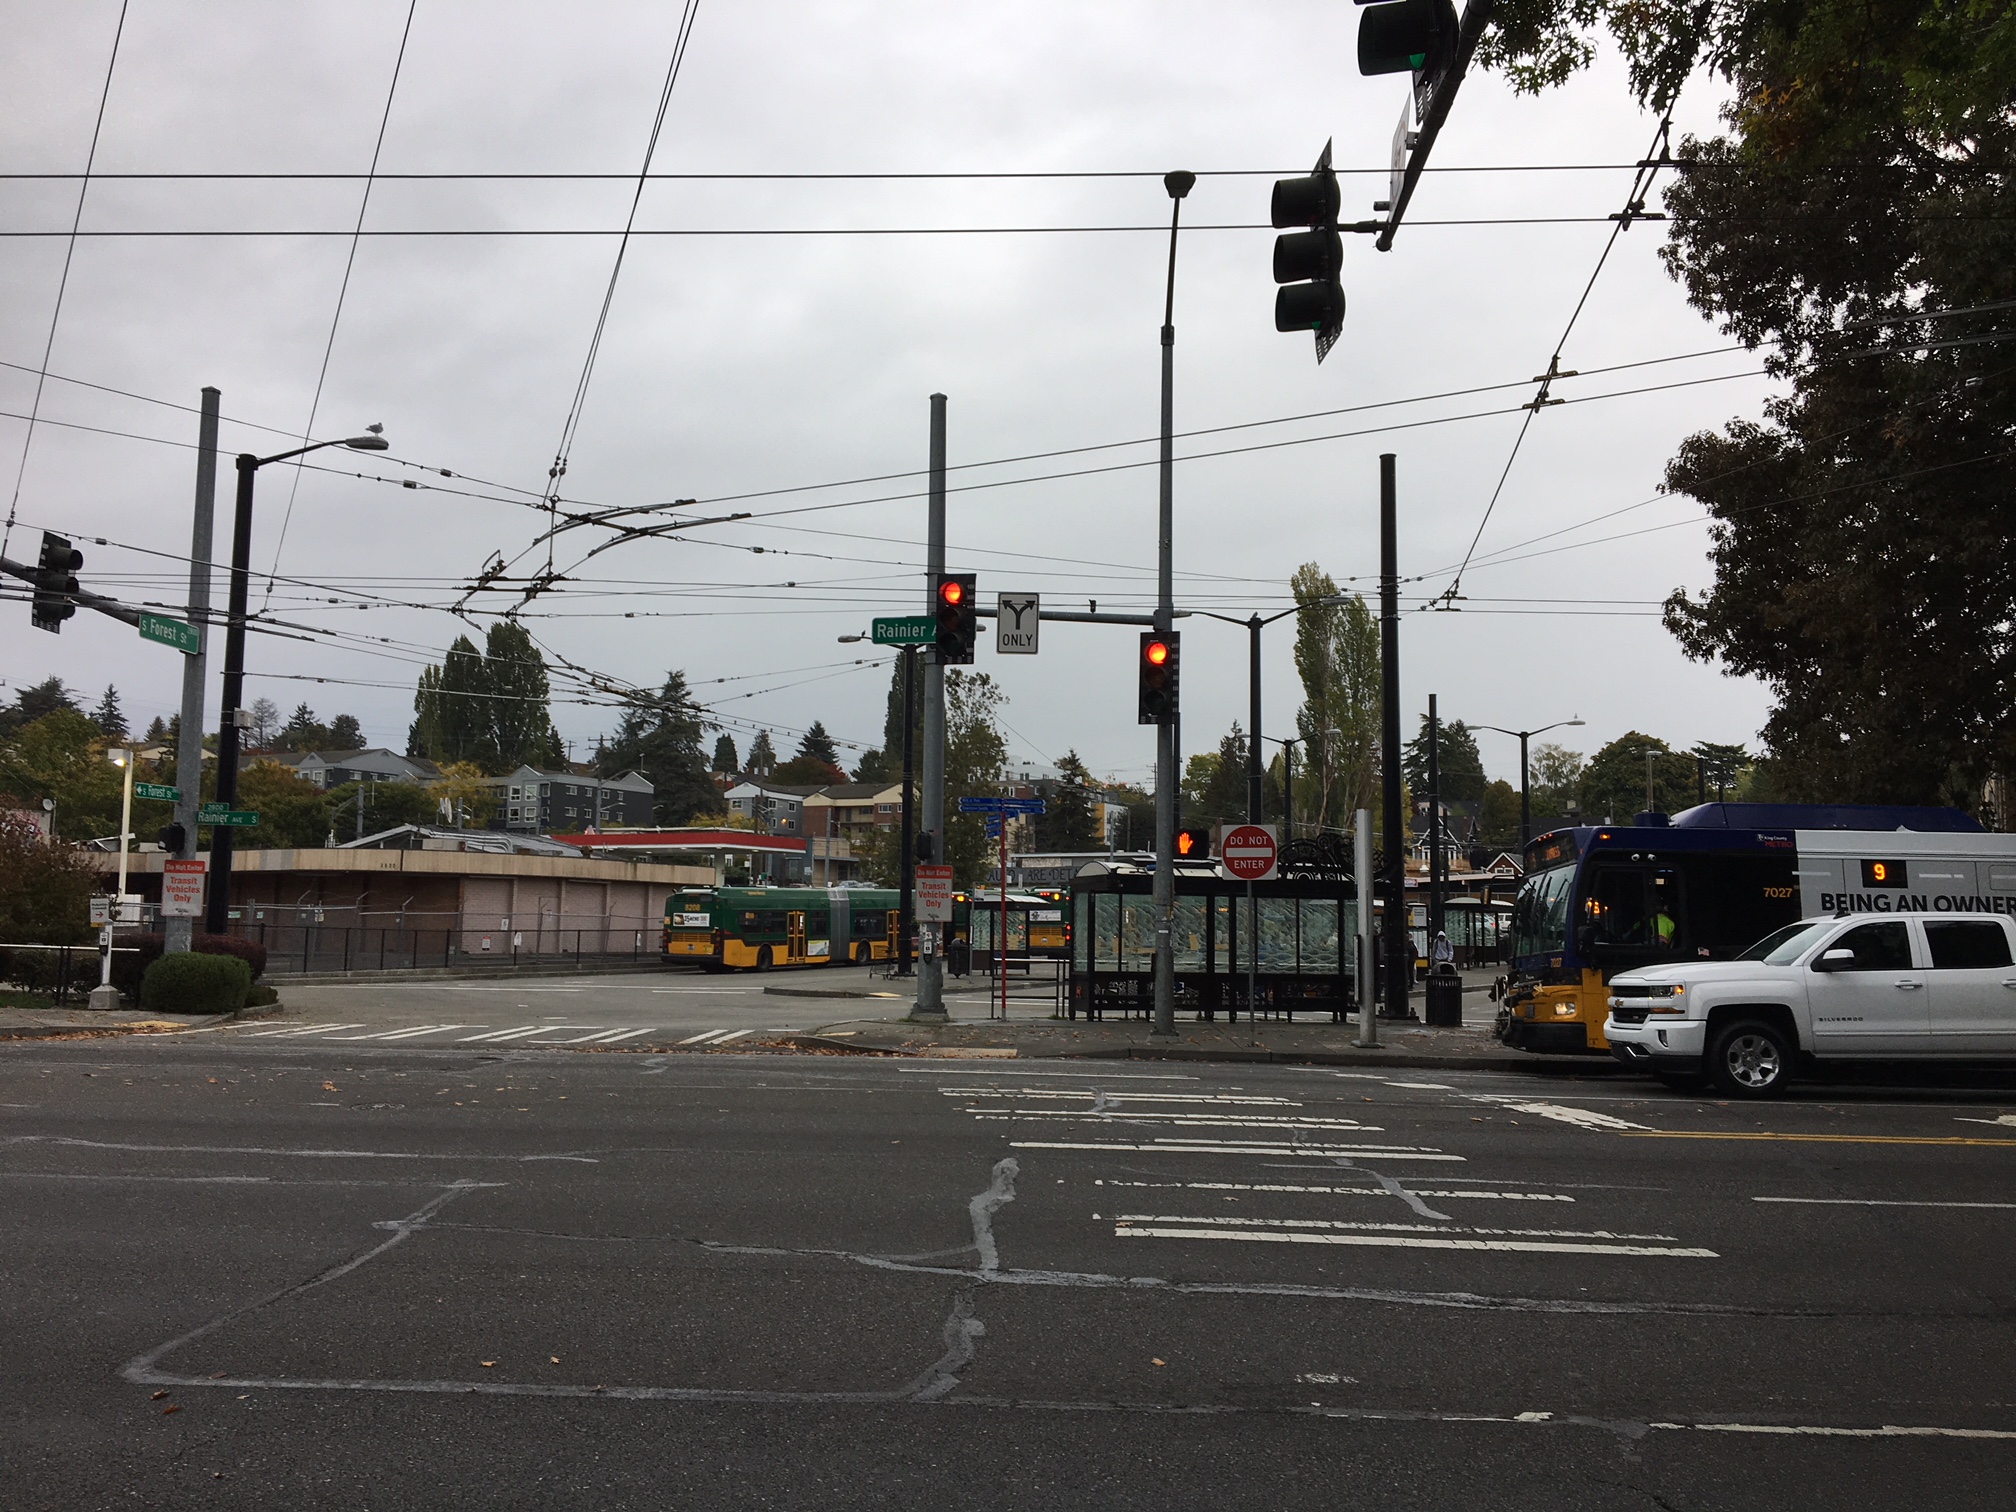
x: 833, y: 992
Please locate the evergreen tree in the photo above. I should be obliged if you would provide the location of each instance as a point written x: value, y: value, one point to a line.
x: 518, y: 722
x: 31, y: 703
x: 818, y: 745
x: 1458, y: 762
x: 158, y: 732
x: 662, y: 739
x: 108, y: 716
x: 345, y: 734
x: 1214, y: 786
x: 302, y: 732
x: 762, y: 755
x: 1067, y: 822
x: 726, y: 762
x: 1337, y: 655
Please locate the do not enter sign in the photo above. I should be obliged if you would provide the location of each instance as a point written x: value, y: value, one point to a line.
x: 1248, y: 852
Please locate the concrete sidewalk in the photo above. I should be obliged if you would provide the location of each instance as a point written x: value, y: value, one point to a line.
x: 1401, y: 1045
x: 51, y: 1023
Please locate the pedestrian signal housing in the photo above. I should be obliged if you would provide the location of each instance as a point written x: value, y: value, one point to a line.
x: 1157, y: 664
x: 957, y: 623
x: 1193, y: 844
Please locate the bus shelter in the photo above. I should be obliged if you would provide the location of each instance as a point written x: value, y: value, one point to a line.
x: 1292, y: 948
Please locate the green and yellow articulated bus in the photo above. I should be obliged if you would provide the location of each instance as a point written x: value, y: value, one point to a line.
x: 756, y: 928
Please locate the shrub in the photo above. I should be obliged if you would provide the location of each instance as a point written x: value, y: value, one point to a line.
x: 195, y: 982
x: 129, y: 970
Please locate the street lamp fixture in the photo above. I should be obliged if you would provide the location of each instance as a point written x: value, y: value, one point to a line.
x: 218, y: 911
x: 1525, y: 777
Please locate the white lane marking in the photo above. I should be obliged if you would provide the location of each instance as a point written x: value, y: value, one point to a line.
x: 1581, y: 1118
x: 738, y: 1034
x: 1116, y: 1097
x: 1403, y: 1241
x: 300, y: 1029
x: 1876, y: 1202
x: 400, y: 1034
x: 2006, y: 1120
x: 1888, y: 1430
x: 154, y: 1149
x: 610, y: 1036
x: 1421, y: 1086
x: 1173, y: 1120
x: 514, y: 989
x: 1337, y: 1191
x: 1342, y: 1225
x: 1306, y: 1152
x: 968, y: 1071
x: 518, y: 1033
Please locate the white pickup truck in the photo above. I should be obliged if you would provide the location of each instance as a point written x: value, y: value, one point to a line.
x: 1901, y: 986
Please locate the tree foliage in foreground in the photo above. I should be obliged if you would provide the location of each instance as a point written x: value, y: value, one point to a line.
x: 1856, y: 220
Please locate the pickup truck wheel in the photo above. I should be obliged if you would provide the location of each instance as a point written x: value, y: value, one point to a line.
x: 1750, y: 1059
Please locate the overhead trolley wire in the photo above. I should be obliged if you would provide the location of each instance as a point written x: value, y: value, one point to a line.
x: 63, y: 279
x: 342, y: 291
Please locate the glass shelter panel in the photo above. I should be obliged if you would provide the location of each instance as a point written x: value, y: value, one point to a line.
x: 1137, y: 933
x: 1321, y: 949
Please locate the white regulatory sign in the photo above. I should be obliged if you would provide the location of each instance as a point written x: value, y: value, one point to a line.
x: 1017, y: 620
x: 934, y: 894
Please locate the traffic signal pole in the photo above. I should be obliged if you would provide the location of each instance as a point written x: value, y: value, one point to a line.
x: 930, y: 1005
x: 195, y: 666
x: 217, y: 913
x: 1164, y: 1023
x: 906, y: 926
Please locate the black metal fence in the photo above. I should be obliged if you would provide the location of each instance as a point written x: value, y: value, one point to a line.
x: 298, y: 948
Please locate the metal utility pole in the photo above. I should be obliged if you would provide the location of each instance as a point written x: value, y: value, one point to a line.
x: 1396, y: 937
x: 195, y: 666
x: 930, y: 1005
x: 1178, y: 184
x: 907, y: 887
x: 1368, y: 996
x: 1434, y: 825
x: 1254, y: 787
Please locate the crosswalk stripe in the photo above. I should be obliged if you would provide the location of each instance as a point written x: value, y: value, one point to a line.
x: 401, y: 1034
x: 520, y: 1033
x: 300, y: 1029
x: 702, y: 1037
x: 735, y: 1036
x: 610, y: 1036
x: 1301, y: 1152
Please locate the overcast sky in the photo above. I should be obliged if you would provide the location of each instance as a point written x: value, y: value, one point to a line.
x: 744, y: 364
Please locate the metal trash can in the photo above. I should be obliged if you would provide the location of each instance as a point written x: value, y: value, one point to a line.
x: 1445, y: 1000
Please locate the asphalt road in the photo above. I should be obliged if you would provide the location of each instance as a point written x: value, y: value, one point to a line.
x: 304, y: 1274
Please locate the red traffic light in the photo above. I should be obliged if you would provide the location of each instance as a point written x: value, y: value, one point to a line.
x: 951, y: 591
x: 1155, y: 653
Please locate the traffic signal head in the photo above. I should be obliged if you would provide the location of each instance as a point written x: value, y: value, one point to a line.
x: 1157, y: 666
x: 1405, y: 36
x: 957, y: 626
x: 55, y: 583
x: 1308, y: 264
x: 1193, y: 844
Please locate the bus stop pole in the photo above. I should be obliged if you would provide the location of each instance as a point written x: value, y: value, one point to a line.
x: 1397, y: 940
x: 1368, y: 1007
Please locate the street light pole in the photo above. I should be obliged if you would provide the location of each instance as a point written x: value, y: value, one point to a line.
x: 1178, y: 183
x: 218, y: 912
x: 1525, y: 772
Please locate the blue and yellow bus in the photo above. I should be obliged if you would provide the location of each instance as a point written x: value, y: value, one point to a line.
x: 756, y: 928
x: 1712, y: 881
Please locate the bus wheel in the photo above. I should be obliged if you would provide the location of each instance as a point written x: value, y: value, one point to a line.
x: 1750, y: 1059
x: 763, y: 958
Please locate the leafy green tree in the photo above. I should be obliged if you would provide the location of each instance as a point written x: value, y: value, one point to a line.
x: 517, y: 717
x: 1457, y: 760
x: 1337, y: 655
x: 462, y: 796
x: 1499, y: 820
x: 292, y: 813
x: 108, y: 716
x: 1214, y: 783
x: 45, y: 890
x: 387, y: 805
x: 1723, y: 769
x: 1556, y: 776
x: 265, y: 724
x: 1067, y: 822
x: 450, y: 722
x: 62, y: 756
x: 34, y: 701
x: 1613, y: 785
x: 662, y: 740
x: 975, y: 753
x: 726, y: 762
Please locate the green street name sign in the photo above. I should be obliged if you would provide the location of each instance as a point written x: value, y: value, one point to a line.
x: 184, y: 637
x: 905, y: 630
x: 217, y: 814
x: 157, y: 791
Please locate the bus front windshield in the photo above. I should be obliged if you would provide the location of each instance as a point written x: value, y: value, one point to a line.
x: 1540, y: 916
